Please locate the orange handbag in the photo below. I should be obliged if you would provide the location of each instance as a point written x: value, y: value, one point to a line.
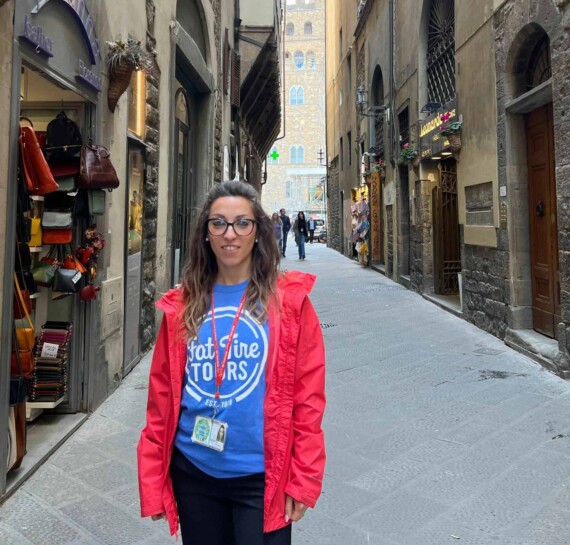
x: 57, y: 236
x: 39, y: 178
x: 71, y: 262
x: 22, y: 358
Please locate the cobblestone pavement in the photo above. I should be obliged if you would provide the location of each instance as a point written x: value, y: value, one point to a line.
x: 436, y: 432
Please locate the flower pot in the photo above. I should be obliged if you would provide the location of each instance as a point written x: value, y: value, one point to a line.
x: 119, y: 80
x: 454, y: 140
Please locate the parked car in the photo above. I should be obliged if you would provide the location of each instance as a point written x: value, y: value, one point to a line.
x: 319, y: 226
x: 322, y: 237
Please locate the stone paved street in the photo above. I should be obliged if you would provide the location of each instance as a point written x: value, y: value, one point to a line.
x: 436, y: 432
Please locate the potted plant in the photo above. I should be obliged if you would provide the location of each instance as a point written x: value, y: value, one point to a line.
x: 408, y: 153
x: 379, y: 166
x: 452, y: 131
x: 123, y: 58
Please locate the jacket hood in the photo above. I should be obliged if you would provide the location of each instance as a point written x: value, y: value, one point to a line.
x: 290, y: 281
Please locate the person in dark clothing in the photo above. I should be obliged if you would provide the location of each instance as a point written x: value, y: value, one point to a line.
x: 286, y: 223
x: 311, y: 228
x: 302, y: 227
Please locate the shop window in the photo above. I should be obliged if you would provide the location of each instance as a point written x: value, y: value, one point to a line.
x: 137, y: 104
x: 290, y: 29
x: 299, y: 60
x: 308, y: 29
x: 297, y: 95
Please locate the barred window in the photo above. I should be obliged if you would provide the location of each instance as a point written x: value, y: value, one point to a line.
x: 441, y: 52
x: 299, y: 60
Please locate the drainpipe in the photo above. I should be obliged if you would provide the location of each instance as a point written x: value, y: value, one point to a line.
x: 392, y: 84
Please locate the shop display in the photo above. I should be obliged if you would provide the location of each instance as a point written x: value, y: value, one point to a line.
x: 49, y: 375
x: 97, y: 171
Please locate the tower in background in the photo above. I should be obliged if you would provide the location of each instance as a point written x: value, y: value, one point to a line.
x: 296, y: 175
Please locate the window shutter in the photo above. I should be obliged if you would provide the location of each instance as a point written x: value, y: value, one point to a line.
x: 226, y: 61
x: 235, y: 86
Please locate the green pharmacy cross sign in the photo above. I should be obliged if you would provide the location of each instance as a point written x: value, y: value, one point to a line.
x: 274, y: 154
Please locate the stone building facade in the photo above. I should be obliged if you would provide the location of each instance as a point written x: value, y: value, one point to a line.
x: 186, y: 124
x: 475, y: 219
x: 295, y: 170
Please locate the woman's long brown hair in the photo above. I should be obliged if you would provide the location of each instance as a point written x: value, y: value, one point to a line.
x: 200, y: 269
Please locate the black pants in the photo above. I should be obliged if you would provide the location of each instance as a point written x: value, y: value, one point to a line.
x: 284, y: 242
x: 221, y: 511
x: 311, y: 235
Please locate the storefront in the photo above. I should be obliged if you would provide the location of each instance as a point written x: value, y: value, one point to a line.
x: 55, y: 96
x: 438, y: 155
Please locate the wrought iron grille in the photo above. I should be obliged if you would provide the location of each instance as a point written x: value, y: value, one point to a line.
x: 441, y: 52
x: 539, y: 69
x: 450, y: 225
x: 404, y: 126
x: 379, y: 136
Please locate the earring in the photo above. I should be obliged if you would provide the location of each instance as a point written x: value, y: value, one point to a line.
x: 207, y: 239
x: 256, y: 241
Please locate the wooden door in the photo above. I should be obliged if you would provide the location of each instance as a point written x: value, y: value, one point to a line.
x: 542, y: 221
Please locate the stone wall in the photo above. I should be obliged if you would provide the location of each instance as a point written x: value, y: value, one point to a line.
x: 218, y: 132
x: 150, y: 208
x: 334, y: 234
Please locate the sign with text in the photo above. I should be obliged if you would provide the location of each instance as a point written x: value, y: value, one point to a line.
x: 431, y: 139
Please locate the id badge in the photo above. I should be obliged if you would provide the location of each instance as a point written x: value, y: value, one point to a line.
x: 210, y: 433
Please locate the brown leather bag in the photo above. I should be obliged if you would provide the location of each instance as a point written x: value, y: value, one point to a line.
x: 97, y: 171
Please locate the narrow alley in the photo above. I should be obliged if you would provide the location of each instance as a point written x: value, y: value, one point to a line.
x: 436, y: 433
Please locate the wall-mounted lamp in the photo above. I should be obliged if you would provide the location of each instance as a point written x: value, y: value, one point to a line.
x: 362, y: 105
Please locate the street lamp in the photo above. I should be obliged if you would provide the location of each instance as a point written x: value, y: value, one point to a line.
x: 369, y: 111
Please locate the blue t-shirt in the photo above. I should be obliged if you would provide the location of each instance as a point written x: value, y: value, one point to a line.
x: 241, y: 393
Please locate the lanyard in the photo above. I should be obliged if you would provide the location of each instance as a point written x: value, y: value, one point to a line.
x: 221, y: 368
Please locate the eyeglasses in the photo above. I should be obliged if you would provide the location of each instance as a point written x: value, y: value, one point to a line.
x: 241, y: 227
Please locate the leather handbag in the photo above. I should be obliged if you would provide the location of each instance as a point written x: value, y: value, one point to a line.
x: 39, y: 179
x: 36, y: 232
x: 44, y: 270
x: 22, y: 301
x: 96, y: 199
x: 97, y: 171
x: 57, y: 236
x: 23, y: 258
x: 25, y: 336
x: 71, y: 262
x: 22, y: 360
x: 67, y: 280
x: 57, y: 219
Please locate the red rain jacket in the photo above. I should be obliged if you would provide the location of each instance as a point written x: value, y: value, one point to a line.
x: 293, y: 406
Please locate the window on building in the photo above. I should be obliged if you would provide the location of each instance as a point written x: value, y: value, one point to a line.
x: 539, y: 69
x: 349, y: 147
x: 297, y: 154
x: 348, y: 74
x: 311, y: 61
x: 288, y: 189
x: 273, y: 156
x: 299, y: 60
x: 441, y: 52
x: 308, y: 28
x: 404, y: 126
x: 290, y: 29
x: 341, y: 154
x: 296, y: 95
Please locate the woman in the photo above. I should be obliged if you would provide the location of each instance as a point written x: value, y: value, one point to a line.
x: 277, y: 228
x: 231, y: 354
x: 302, y: 228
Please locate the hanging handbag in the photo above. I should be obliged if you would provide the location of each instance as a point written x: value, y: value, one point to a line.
x: 23, y: 258
x: 67, y: 280
x: 39, y: 179
x: 22, y: 360
x: 97, y: 171
x: 36, y: 232
x: 25, y: 336
x: 22, y: 301
x: 96, y: 199
x: 27, y: 281
x: 44, y: 270
x: 63, y: 138
x: 57, y: 236
x: 71, y: 262
x: 57, y: 219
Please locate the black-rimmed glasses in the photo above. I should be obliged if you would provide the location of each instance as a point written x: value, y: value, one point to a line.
x: 241, y: 227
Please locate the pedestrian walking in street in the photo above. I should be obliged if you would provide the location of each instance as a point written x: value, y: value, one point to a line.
x: 286, y: 222
x: 311, y: 225
x: 233, y: 446
x: 301, y: 223
x: 277, y: 229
